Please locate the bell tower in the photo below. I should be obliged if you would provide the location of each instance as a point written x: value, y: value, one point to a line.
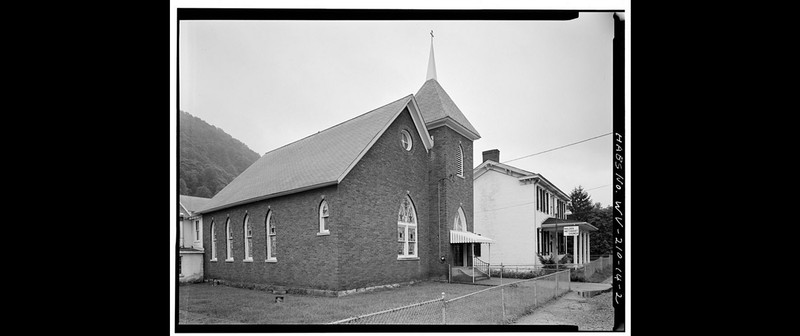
x: 449, y: 168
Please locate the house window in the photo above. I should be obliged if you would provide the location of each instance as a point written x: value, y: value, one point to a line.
x: 407, y: 230
x: 460, y: 162
x: 323, y: 218
x: 213, y: 243
x: 228, y: 241
x: 405, y: 140
x: 248, y: 240
x: 269, y: 227
x: 197, y: 230
x: 460, y: 222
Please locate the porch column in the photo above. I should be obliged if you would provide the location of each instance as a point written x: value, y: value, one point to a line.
x: 583, y: 247
x: 588, y: 250
x: 576, y: 255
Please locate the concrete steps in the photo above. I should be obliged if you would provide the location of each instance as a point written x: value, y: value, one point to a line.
x: 464, y: 274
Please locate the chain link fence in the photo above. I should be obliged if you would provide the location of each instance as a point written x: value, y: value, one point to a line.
x: 596, y: 265
x: 500, y: 304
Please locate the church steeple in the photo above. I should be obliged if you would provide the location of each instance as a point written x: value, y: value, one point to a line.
x: 431, y: 63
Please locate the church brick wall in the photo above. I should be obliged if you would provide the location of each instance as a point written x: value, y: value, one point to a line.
x: 373, y: 192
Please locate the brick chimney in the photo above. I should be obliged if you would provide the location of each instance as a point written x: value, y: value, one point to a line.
x: 492, y: 154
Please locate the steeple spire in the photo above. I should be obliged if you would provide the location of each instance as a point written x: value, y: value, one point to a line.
x: 431, y: 63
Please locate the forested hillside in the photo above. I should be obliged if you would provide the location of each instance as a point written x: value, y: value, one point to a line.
x: 209, y: 158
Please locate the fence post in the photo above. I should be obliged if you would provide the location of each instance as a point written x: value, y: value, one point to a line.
x: 535, y: 297
x: 444, y: 310
x: 556, y: 282
x: 503, y: 301
x: 569, y: 280
x: 501, y: 273
x: 448, y: 273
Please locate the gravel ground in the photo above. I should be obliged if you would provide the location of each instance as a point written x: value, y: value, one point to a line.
x: 594, y: 313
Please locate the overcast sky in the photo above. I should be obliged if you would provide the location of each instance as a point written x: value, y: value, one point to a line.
x: 526, y: 86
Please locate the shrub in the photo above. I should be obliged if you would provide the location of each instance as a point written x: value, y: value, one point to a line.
x: 515, y: 273
x: 550, y: 262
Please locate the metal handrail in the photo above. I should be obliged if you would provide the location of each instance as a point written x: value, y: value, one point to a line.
x: 480, y: 265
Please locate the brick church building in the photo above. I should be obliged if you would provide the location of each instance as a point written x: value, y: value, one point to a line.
x: 383, y: 198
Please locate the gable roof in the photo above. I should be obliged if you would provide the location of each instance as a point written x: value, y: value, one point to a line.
x: 318, y: 160
x: 191, y: 204
x: 518, y: 173
x: 438, y: 109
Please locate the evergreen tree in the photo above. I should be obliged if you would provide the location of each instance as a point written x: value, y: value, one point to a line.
x: 581, y: 203
x: 603, y: 220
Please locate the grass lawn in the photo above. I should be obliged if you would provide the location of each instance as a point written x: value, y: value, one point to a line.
x: 205, y: 304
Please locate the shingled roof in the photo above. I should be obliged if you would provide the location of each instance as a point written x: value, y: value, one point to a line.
x: 436, y: 106
x: 192, y: 203
x: 318, y: 160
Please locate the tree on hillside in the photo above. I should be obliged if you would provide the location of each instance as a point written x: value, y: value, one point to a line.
x: 581, y: 203
x: 202, y: 191
x: 209, y: 157
x: 603, y: 220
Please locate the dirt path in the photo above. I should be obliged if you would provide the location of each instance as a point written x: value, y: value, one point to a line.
x: 595, y: 313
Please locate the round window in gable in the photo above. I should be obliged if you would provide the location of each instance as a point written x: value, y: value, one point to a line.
x: 405, y: 140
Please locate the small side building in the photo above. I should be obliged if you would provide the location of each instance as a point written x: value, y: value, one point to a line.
x: 190, y: 238
x: 525, y: 214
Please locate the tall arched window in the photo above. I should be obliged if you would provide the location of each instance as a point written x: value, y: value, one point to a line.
x: 213, y: 242
x: 460, y: 162
x: 323, y: 218
x: 228, y: 241
x: 248, y: 240
x: 407, y: 230
x: 460, y: 222
x: 269, y: 228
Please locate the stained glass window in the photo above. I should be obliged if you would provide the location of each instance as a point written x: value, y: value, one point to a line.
x: 323, y: 217
x: 272, y: 237
x: 248, y: 239
x: 407, y: 229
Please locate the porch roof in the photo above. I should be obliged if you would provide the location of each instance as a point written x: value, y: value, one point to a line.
x: 552, y: 224
x: 460, y: 237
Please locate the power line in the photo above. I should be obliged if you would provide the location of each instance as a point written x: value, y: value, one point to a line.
x: 597, y: 187
x: 552, y: 149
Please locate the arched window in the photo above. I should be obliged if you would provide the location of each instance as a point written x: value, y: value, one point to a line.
x: 407, y: 230
x: 460, y: 222
x: 323, y: 218
x: 269, y: 228
x: 460, y: 162
x: 228, y: 241
x: 248, y: 240
x: 213, y: 242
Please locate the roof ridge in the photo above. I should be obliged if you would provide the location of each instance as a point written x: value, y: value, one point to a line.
x: 341, y: 123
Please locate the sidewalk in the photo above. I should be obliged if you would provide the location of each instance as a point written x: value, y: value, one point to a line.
x: 593, y: 312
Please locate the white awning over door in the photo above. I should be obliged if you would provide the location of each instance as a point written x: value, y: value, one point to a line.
x: 462, y: 237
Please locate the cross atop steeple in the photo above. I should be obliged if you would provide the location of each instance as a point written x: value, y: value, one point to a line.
x: 431, y: 63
